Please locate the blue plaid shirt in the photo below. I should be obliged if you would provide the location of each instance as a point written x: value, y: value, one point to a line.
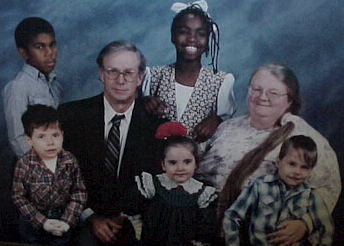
x: 271, y: 203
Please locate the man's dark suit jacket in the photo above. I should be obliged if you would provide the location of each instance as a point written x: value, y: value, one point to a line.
x: 83, y: 125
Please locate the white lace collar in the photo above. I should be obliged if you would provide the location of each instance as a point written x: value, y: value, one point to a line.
x: 191, y: 186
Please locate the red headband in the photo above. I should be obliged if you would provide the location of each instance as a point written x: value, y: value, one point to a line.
x: 171, y: 128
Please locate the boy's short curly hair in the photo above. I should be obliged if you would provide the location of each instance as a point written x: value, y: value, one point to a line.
x: 28, y: 28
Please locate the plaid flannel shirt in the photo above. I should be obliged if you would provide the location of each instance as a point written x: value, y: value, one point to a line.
x: 272, y: 204
x: 36, y: 189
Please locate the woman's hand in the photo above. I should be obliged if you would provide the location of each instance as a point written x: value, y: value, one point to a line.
x: 154, y: 106
x: 288, y: 233
x: 206, y: 128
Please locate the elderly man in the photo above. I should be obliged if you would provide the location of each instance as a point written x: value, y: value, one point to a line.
x: 113, y: 138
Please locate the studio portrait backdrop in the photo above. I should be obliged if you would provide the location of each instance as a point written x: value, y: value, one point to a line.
x: 307, y: 36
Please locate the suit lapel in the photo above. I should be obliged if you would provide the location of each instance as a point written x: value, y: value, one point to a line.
x: 133, y: 131
x: 94, y: 128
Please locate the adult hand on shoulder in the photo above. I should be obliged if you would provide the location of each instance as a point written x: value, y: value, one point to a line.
x: 206, y: 128
x: 104, y: 228
x: 154, y: 106
x: 288, y: 233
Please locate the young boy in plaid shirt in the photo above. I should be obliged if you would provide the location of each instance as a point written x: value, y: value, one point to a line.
x: 273, y: 199
x: 47, y: 188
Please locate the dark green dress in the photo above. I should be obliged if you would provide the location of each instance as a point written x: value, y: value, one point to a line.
x: 177, y: 214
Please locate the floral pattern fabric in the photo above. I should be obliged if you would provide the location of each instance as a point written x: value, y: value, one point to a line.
x: 203, y: 100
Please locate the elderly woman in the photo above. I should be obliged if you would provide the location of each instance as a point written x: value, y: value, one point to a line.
x: 245, y: 147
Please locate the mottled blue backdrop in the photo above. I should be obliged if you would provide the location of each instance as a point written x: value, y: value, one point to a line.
x: 307, y: 35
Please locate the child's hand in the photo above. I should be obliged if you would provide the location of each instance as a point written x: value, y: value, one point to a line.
x: 55, y: 227
x: 49, y: 225
x: 60, y: 228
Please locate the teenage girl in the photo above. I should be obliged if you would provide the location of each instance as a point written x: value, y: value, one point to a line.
x: 181, y: 209
x: 185, y: 91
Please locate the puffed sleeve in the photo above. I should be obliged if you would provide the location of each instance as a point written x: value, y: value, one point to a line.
x: 207, y: 196
x: 225, y: 100
x: 146, y: 82
x: 145, y: 185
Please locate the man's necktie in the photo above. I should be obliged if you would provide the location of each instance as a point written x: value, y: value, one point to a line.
x: 113, y: 146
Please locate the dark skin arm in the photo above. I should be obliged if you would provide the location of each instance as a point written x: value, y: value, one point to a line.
x: 154, y: 106
x: 203, y: 131
x: 206, y: 128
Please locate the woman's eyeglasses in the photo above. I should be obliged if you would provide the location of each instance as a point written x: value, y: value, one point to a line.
x: 271, y: 94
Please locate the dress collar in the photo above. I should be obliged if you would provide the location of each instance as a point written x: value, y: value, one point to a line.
x: 191, y: 186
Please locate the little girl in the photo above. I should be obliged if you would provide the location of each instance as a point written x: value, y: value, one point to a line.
x: 185, y: 91
x: 181, y: 210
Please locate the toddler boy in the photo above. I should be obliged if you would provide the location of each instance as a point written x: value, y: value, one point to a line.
x: 47, y: 186
x: 35, y: 83
x: 273, y: 199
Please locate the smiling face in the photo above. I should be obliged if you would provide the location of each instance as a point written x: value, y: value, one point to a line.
x: 179, y: 163
x: 119, y: 91
x: 46, y: 141
x: 292, y: 168
x: 190, y: 37
x: 41, y: 52
x: 263, y: 108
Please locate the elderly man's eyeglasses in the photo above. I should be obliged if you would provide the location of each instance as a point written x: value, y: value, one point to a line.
x: 113, y: 73
x: 271, y: 94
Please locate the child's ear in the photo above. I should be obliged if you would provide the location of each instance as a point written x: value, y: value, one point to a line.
x: 28, y: 140
x: 23, y: 53
x: 163, y: 166
x: 277, y: 162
